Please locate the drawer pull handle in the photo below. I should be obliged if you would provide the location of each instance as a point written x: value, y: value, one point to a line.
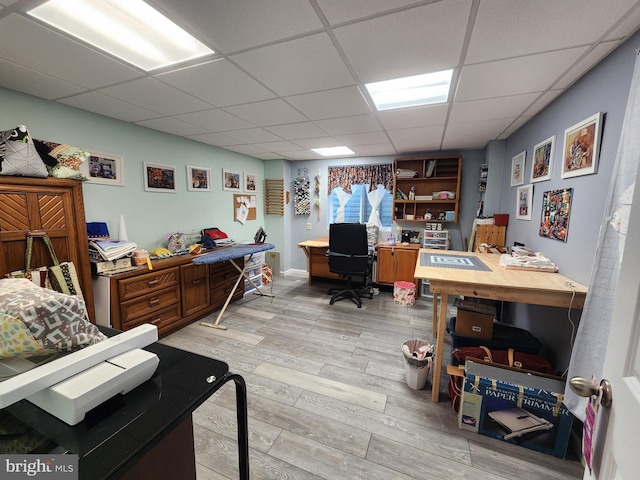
x: 153, y: 283
x: 155, y: 321
x: 195, y: 282
x: 153, y: 301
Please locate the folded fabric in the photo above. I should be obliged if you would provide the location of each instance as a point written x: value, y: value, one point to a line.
x: 19, y: 154
x: 56, y: 320
x: 62, y: 159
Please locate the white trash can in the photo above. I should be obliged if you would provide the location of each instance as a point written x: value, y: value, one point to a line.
x: 416, y: 370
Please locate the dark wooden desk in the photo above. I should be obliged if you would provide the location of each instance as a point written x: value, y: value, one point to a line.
x: 538, y: 288
x: 147, y: 433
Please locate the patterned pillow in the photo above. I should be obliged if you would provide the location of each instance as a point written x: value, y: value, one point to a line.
x: 18, y: 154
x: 55, y: 320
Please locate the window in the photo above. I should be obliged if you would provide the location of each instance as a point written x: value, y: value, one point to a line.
x: 358, y: 209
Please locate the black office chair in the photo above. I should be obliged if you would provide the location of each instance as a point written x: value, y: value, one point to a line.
x: 349, y: 256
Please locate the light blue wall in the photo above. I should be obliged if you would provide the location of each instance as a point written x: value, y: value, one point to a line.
x: 604, y: 89
x: 148, y: 215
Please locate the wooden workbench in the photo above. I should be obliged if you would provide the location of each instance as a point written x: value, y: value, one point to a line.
x: 317, y: 262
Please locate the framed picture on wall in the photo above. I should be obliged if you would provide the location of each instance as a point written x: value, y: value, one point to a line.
x: 517, y: 169
x: 556, y: 207
x: 250, y: 182
x: 542, y: 161
x: 581, y: 147
x: 159, y: 178
x: 524, y: 202
x: 230, y: 180
x: 198, y: 179
x: 104, y: 168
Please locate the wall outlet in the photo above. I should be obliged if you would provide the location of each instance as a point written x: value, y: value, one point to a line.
x: 309, y: 226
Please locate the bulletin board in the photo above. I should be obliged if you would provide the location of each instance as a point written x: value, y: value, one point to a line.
x: 244, y: 208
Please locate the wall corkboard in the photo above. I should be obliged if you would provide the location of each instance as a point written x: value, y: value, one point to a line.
x: 244, y: 208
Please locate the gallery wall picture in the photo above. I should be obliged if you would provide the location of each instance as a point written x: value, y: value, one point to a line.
x: 159, y: 178
x: 517, y: 169
x: 104, y: 168
x: 250, y: 182
x: 582, y: 147
x: 525, y: 200
x: 556, y: 208
x: 542, y: 161
x: 198, y: 179
x: 230, y: 180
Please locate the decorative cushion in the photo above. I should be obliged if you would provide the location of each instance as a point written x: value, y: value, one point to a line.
x: 20, y: 156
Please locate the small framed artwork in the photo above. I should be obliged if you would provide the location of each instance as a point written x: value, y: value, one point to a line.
x: 581, y: 147
x: 517, y: 169
x: 556, y: 207
x: 104, y: 168
x: 525, y: 200
x: 198, y: 179
x: 230, y: 180
x: 543, y: 160
x: 250, y: 182
x: 159, y: 178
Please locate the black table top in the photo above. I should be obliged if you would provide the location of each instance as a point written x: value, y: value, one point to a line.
x: 114, y: 435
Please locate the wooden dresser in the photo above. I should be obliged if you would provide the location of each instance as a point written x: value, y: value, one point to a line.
x: 175, y: 293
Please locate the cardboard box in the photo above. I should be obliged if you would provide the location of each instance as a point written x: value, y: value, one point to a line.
x: 516, y: 407
x: 474, y: 319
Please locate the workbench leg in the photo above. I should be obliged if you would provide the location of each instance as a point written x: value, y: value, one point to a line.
x: 243, y: 423
x: 437, y: 367
x: 434, y: 327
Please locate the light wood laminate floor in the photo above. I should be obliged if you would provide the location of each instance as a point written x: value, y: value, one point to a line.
x: 328, y: 397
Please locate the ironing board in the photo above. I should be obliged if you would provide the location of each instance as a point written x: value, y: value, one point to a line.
x: 232, y: 253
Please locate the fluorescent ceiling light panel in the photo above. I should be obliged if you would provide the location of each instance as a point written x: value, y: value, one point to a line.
x: 413, y: 91
x: 129, y: 29
x: 333, y: 151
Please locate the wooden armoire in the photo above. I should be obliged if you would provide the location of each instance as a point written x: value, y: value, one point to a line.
x: 55, y: 206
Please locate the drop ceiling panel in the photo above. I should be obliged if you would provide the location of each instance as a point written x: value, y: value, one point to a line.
x: 340, y: 102
x: 217, y: 139
x: 298, y: 66
x: 339, y: 11
x: 534, y: 73
x: 252, y: 135
x: 235, y: 25
x: 215, y: 120
x: 363, y: 138
x: 171, y: 125
x: 109, y: 106
x: 491, y: 108
x: 471, y: 134
x: 417, y: 139
x: 269, y: 112
x: 419, y: 40
x: 29, y: 44
x: 414, y: 117
x: 374, y: 150
x: 26, y: 80
x: 156, y: 96
x: 294, y: 131
x: 351, y: 124
x: 219, y: 83
x: 587, y: 62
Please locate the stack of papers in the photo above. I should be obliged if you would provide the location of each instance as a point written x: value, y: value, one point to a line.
x: 406, y: 173
x: 536, y: 262
x: 107, y: 250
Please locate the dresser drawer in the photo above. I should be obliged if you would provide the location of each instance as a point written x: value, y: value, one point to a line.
x: 149, y: 303
x: 220, y: 293
x: 222, y: 273
x: 162, y: 319
x: 148, y: 283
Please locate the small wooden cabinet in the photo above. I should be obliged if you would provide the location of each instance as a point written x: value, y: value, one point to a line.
x: 396, y: 263
x: 431, y: 185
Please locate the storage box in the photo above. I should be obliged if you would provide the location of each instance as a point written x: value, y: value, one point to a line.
x: 110, y: 266
x: 516, y: 407
x: 474, y: 319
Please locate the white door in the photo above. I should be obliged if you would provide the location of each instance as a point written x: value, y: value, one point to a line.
x: 616, y: 452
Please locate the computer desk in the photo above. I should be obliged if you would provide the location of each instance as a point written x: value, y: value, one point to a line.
x: 537, y: 288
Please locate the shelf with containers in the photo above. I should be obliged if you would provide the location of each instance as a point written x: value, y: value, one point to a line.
x: 435, y: 239
x: 427, y: 186
x: 253, y: 271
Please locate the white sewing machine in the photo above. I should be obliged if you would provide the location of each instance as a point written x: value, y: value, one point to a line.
x: 70, y: 386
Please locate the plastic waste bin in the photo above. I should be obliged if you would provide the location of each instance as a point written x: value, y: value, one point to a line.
x: 416, y: 369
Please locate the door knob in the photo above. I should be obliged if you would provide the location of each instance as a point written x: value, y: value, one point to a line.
x: 584, y: 388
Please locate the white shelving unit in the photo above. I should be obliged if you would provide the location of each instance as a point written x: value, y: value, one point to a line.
x: 438, y: 239
x: 253, y: 271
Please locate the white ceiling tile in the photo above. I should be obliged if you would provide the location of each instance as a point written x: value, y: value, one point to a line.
x: 321, y: 142
x: 473, y: 134
x: 253, y: 135
x: 29, y: 81
x: 491, y: 108
x: 370, y: 138
x: 293, y: 131
x: 215, y: 120
x: 281, y: 146
x: 340, y: 102
x: 235, y: 25
x: 219, y: 83
x: 544, y: 100
x: 339, y: 11
x: 154, y: 95
x: 302, y: 155
x: 266, y: 113
x: 589, y: 60
x: 627, y: 26
x: 268, y: 156
x: 245, y: 149
x: 217, y: 139
x: 45, y: 51
x: 414, y: 117
x: 374, y: 150
x: 109, y: 106
x: 534, y: 73
x: 419, y: 40
x: 171, y: 125
x: 350, y: 125
x: 504, y: 30
x: 298, y: 66
x: 417, y: 139
x: 514, y: 127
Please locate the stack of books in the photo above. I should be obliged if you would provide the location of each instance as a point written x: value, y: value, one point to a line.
x: 406, y: 173
x: 108, y: 250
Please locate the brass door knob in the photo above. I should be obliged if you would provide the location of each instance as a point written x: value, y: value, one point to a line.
x: 584, y: 388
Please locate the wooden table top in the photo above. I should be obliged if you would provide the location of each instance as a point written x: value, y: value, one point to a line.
x: 316, y: 242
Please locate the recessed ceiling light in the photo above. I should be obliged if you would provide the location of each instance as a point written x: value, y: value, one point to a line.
x: 333, y: 151
x: 413, y: 91
x: 129, y: 29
